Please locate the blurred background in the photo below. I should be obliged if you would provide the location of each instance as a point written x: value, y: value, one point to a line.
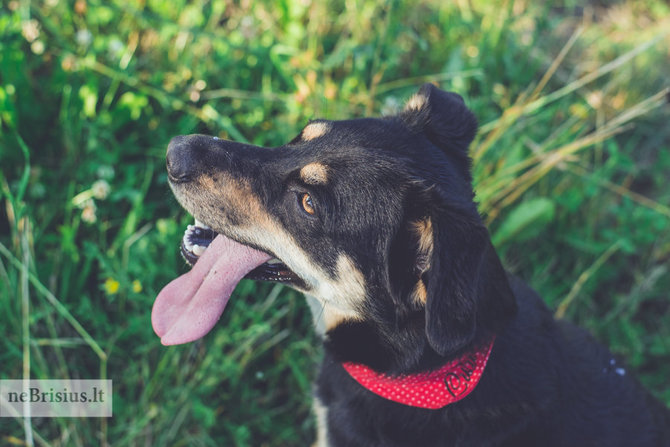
x: 572, y: 164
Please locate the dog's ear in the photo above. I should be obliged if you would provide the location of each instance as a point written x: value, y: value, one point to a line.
x: 462, y: 284
x: 445, y: 120
x: 466, y: 287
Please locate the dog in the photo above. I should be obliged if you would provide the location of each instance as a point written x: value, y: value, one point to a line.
x: 428, y: 340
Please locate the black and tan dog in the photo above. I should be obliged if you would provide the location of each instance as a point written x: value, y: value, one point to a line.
x: 428, y: 342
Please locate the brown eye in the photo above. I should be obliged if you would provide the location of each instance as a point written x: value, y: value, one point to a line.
x: 307, y: 204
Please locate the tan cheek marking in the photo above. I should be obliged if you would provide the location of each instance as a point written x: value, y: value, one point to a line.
x: 207, y: 182
x: 314, y: 174
x: 314, y: 130
x: 241, y: 198
x: 416, y: 102
x: 235, y: 195
x: 341, y: 298
x: 333, y: 317
x: 350, y: 282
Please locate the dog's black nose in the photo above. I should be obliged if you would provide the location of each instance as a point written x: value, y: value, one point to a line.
x: 189, y: 156
x: 180, y: 159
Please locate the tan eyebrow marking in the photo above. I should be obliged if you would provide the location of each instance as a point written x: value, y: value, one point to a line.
x: 314, y: 130
x: 314, y: 174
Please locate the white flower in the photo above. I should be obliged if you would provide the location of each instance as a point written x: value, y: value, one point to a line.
x: 37, y: 47
x: 100, y: 189
x: 84, y: 37
x: 30, y: 30
x: 105, y: 171
x: 88, y: 213
x: 115, y: 47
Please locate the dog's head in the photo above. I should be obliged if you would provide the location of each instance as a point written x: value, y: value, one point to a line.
x: 373, y: 217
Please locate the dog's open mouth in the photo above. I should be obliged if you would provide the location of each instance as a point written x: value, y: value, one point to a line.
x: 198, y: 237
x: 189, y: 306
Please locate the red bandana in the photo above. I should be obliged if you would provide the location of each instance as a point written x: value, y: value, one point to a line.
x: 432, y: 389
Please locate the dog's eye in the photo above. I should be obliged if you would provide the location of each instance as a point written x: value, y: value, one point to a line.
x: 307, y: 204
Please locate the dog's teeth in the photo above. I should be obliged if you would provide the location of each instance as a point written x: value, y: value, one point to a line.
x: 274, y: 261
x: 189, y: 231
x: 198, y: 250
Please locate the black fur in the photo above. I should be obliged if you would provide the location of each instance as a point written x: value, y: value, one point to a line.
x: 547, y: 383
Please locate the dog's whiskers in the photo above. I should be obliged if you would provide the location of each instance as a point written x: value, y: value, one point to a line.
x: 317, y: 320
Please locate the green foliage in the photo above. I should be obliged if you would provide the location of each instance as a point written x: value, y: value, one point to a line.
x: 527, y: 220
x: 572, y: 161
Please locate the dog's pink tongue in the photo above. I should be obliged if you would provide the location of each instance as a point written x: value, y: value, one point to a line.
x: 189, y: 306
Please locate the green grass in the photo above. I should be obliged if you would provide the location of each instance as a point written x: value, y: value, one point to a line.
x: 572, y: 163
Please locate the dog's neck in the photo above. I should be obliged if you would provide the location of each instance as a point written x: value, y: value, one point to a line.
x: 432, y: 389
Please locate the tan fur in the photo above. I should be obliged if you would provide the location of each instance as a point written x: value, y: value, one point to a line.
x: 315, y: 130
x: 350, y: 283
x: 420, y: 294
x: 424, y: 231
x: 333, y: 317
x: 314, y: 174
x: 325, y: 316
x: 416, y: 102
x: 321, y: 414
x: 235, y: 193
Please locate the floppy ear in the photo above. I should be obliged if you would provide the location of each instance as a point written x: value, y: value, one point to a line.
x: 445, y: 120
x: 466, y: 286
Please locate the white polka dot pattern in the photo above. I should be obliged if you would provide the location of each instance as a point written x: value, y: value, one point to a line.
x: 432, y: 389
